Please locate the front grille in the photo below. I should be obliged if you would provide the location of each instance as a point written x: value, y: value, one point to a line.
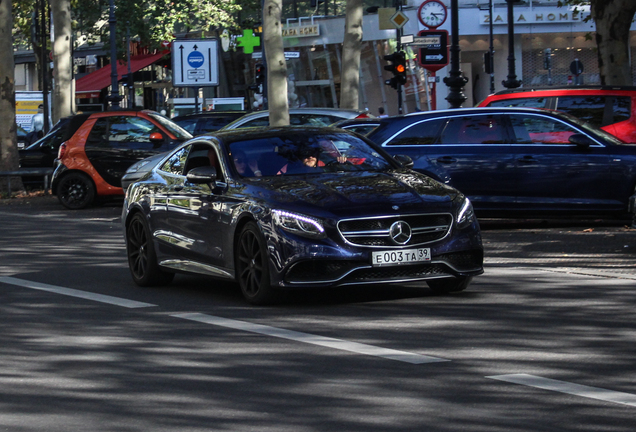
x: 375, y: 232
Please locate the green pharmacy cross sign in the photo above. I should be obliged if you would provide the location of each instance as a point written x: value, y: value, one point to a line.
x: 248, y: 41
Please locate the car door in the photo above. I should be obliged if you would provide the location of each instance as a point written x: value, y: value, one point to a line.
x: 555, y: 174
x: 116, y: 142
x: 197, y: 217
x: 470, y: 152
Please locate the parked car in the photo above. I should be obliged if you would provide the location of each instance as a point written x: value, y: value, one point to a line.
x: 515, y: 161
x: 21, y: 137
x: 207, y: 121
x: 43, y: 152
x: 294, y: 208
x: 93, y: 160
x: 299, y: 117
x: 612, y: 109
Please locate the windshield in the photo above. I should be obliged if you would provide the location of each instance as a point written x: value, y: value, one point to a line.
x: 176, y: 130
x: 305, y: 154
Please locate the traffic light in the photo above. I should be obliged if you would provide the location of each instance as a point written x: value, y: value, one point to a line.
x: 488, y: 63
x: 397, y: 67
x: 259, y: 73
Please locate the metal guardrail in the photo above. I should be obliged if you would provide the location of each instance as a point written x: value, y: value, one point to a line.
x: 46, y: 172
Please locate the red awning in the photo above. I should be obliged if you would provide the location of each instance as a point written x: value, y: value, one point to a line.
x: 94, y: 82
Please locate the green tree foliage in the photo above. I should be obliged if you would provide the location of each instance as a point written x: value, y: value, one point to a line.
x: 150, y: 22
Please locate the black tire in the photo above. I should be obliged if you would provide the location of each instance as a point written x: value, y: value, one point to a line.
x: 142, y: 259
x: 252, y: 266
x: 76, y: 191
x: 445, y: 286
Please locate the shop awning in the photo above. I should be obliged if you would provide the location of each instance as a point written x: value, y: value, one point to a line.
x: 91, y: 84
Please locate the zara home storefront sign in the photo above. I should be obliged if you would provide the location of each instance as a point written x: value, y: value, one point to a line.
x: 539, y: 15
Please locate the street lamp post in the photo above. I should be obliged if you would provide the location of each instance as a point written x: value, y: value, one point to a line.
x: 456, y: 80
x: 512, y: 81
x: 491, y: 49
x: 114, y: 97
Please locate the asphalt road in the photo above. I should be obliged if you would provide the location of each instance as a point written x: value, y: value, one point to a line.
x: 543, y: 341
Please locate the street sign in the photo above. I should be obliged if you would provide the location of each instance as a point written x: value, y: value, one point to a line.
x: 399, y: 19
x: 195, y: 63
x: 433, y: 53
x: 576, y: 67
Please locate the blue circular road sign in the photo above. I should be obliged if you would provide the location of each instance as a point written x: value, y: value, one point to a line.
x: 195, y: 59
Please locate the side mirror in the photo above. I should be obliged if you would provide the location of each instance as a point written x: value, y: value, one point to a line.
x: 581, y: 140
x: 404, y: 160
x: 156, y: 136
x: 206, y: 174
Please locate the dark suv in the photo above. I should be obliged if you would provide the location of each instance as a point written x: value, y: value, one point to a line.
x: 93, y: 160
x: 612, y: 109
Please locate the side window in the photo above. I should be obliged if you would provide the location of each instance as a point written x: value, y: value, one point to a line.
x: 131, y: 132
x: 98, y: 137
x: 587, y: 108
x: 176, y: 163
x: 521, y: 102
x: 621, y: 108
x: 258, y: 122
x: 533, y: 129
x: 477, y: 129
x: 423, y: 133
x: 188, y: 124
x: 204, y: 155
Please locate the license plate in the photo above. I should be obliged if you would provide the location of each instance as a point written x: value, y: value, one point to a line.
x: 399, y: 257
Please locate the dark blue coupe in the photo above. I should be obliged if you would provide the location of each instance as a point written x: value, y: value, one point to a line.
x: 291, y: 208
x: 514, y: 161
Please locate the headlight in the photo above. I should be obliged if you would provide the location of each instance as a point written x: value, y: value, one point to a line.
x: 299, y: 224
x: 465, y: 215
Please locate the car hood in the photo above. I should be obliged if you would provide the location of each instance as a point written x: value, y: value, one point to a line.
x: 347, y: 193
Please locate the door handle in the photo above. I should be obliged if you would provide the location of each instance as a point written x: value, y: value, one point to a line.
x: 446, y: 160
x: 177, y: 188
x: 527, y: 160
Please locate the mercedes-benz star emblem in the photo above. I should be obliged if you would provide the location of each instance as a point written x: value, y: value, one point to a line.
x: 400, y: 232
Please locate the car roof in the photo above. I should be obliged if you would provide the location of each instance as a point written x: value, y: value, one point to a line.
x: 231, y: 135
x: 569, y: 89
x: 236, y: 114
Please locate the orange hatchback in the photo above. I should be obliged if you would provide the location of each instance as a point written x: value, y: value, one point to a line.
x: 92, y: 162
x: 612, y: 109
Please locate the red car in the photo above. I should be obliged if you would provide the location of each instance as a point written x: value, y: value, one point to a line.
x: 93, y: 160
x: 612, y: 109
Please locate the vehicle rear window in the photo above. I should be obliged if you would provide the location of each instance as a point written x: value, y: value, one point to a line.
x: 541, y: 102
x: 596, y: 110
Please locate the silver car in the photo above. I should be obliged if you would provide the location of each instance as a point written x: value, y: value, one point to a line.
x: 299, y: 117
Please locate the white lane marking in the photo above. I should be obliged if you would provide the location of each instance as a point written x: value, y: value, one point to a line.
x: 132, y: 304
x: 569, y: 388
x: 338, y: 344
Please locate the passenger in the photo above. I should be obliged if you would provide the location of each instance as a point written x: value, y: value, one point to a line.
x: 245, y: 167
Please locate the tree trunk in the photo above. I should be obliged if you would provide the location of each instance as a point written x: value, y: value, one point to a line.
x: 8, y: 135
x: 62, y: 60
x: 350, y: 74
x: 613, y: 20
x: 276, y: 66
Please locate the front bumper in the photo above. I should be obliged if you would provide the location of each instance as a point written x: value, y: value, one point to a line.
x: 298, y: 262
